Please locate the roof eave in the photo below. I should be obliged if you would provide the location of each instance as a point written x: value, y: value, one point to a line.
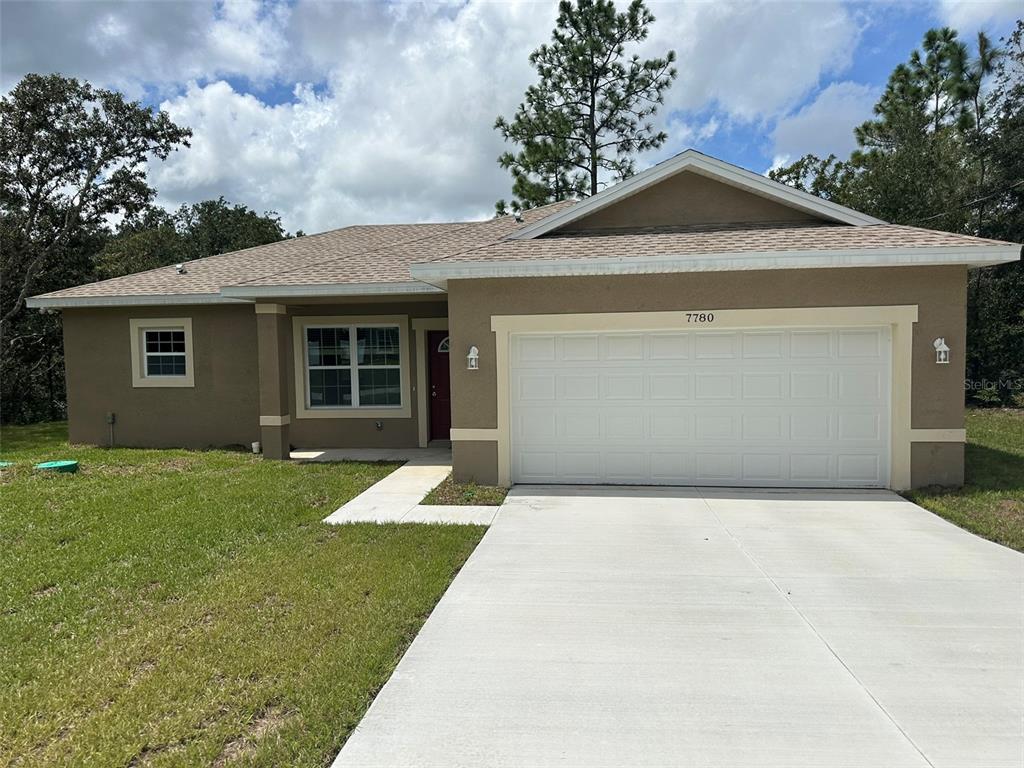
x: 314, y: 290
x: 128, y: 300
x: 974, y: 256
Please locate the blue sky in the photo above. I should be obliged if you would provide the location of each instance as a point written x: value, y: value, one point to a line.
x: 336, y: 113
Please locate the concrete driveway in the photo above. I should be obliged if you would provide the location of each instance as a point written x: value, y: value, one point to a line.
x: 683, y: 627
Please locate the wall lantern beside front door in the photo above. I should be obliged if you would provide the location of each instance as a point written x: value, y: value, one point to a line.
x: 941, y: 351
x: 473, y: 359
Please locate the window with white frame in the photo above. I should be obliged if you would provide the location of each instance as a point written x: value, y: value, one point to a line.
x: 162, y: 352
x: 353, y: 366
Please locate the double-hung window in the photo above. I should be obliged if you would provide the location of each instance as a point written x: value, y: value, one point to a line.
x: 353, y: 366
x: 162, y: 352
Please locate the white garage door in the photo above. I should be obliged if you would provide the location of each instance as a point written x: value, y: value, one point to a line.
x: 766, y: 407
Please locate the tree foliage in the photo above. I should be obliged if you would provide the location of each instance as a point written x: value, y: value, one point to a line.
x: 590, y: 111
x: 72, y: 160
x: 158, y: 238
x: 944, y: 150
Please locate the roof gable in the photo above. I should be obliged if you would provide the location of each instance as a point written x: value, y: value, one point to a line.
x: 692, y: 188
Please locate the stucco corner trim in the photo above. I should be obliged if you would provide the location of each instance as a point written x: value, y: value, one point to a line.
x: 938, y: 435
x: 463, y: 434
x: 275, y: 421
x: 271, y: 309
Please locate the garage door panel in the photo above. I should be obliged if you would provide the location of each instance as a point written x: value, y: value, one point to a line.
x: 624, y: 347
x: 764, y: 385
x: 669, y: 386
x: 806, y: 407
x: 623, y: 386
x: 763, y: 345
x: 715, y: 346
x: 715, y: 386
x: 810, y: 385
x: 581, y: 348
x: 669, y: 346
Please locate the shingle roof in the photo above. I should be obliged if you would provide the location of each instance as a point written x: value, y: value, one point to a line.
x: 698, y: 240
x: 371, y: 253
x: 381, y: 254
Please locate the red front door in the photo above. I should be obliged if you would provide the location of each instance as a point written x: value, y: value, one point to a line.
x: 440, y: 391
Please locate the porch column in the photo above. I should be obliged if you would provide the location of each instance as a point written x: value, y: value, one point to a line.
x: 273, y: 333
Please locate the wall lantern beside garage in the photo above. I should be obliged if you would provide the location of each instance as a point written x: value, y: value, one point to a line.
x: 941, y: 351
x: 473, y: 359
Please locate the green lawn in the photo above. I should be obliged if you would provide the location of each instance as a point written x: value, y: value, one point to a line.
x: 189, y: 608
x: 991, y: 504
x: 450, y: 492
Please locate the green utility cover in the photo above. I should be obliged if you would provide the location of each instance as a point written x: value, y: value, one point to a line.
x: 59, y: 466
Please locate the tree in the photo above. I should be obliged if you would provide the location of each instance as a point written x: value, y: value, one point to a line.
x: 158, y: 238
x: 944, y: 152
x: 590, y: 112
x: 71, y: 157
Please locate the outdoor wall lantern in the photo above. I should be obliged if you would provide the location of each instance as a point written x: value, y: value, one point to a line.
x: 941, y: 351
x: 473, y: 359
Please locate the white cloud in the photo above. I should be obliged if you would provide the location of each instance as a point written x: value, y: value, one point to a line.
x: 969, y: 15
x: 393, y: 106
x: 752, y: 59
x: 826, y: 124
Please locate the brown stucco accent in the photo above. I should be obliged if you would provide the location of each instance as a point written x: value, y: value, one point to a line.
x: 475, y: 461
x: 684, y: 199
x: 939, y: 293
x: 937, y: 464
x: 360, y: 433
x: 221, y: 409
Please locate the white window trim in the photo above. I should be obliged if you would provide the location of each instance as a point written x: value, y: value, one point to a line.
x: 302, y: 408
x: 138, y: 327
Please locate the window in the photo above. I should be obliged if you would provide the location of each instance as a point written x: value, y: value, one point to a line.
x: 162, y: 352
x: 165, y: 352
x: 354, y: 366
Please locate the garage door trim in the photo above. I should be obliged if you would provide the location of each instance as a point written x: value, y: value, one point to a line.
x: 900, y: 318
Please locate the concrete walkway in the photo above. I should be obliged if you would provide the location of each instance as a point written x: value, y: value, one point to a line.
x: 645, y: 627
x: 396, y: 498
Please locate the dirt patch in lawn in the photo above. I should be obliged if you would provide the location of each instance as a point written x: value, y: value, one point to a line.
x: 465, y: 494
x: 268, y: 721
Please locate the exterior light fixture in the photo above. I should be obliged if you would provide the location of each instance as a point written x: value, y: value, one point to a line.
x: 941, y: 351
x: 473, y: 359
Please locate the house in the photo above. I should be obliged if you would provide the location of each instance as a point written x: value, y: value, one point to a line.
x: 694, y: 324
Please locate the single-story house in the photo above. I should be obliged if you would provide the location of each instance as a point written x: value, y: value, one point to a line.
x: 697, y: 323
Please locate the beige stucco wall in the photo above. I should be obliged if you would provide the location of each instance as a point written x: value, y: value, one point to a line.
x: 221, y: 409
x: 689, y: 198
x: 939, y: 292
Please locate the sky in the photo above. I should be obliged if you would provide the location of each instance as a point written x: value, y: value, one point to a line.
x: 338, y: 113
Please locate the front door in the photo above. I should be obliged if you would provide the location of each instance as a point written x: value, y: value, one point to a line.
x: 440, y: 391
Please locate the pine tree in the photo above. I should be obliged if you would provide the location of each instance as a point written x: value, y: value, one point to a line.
x: 590, y: 111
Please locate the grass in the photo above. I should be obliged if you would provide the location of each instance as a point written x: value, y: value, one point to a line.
x: 449, y: 492
x: 168, y: 607
x: 991, y: 503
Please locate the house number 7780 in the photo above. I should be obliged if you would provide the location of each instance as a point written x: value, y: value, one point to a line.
x: 700, y: 317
